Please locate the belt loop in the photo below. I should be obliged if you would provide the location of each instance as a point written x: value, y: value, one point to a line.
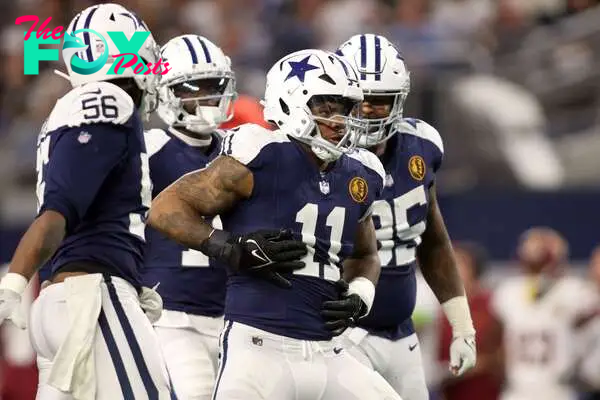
x: 305, y: 350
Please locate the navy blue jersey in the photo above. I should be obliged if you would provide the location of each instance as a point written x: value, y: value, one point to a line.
x: 411, y: 159
x: 188, y: 281
x: 323, y: 209
x: 93, y: 169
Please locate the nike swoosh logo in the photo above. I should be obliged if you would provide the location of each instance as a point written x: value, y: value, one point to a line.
x: 94, y: 92
x: 255, y: 254
x: 414, y: 346
x: 337, y: 350
x: 255, y: 251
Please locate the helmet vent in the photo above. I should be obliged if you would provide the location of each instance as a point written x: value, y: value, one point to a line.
x: 327, y: 79
x: 284, y: 106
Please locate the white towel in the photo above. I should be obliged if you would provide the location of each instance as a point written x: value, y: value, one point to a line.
x: 73, y: 369
x: 151, y: 303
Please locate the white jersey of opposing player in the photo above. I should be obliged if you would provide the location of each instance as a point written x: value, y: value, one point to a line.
x: 539, y: 335
x: 588, y: 342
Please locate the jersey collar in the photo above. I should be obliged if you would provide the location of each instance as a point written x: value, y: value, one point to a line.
x: 189, y: 140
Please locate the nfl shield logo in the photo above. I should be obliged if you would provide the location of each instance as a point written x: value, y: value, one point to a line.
x: 324, y: 186
x: 84, y: 137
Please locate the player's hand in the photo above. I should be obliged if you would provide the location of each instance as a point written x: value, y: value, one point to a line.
x: 463, y: 354
x: 342, y: 314
x: 271, y: 249
x: 10, y: 307
x: 12, y: 286
x: 265, y: 253
x: 268, y: 254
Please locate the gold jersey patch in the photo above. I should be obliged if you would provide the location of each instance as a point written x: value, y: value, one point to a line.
x: 416, y: 167
x: 358, y: 189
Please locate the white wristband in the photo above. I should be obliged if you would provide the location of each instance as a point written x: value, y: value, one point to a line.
x: 365, y: 289
x: 457, y: 311
x: 15, y: 282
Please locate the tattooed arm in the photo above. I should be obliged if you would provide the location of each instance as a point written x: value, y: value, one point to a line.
x: 436, y: 257
x: 178, y: 211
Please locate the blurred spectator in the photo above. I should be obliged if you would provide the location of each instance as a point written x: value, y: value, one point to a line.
x: 503, y: 132
x: 13, y: 81
x: 539, y: 309
x: 337, y: 20
x: 17, y: 366
x: 484, y: 381
x: 589, y: 336
x: 444, y: 43
x: 246, y: 110
x: 290, y: 24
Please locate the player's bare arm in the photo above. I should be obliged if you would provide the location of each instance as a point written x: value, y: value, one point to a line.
x: 38, y: 244
x: 436, y: 258
x: 179, y: 210
x: 438, y: 265
x: 365, y: 258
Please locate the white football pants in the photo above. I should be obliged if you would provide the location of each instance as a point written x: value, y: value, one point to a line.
x: 258, y: 365
x: 127, y: 355
x: 190, y: 345
x: 398, y: 362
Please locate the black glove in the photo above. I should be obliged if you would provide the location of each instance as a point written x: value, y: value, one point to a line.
x: 265, y: 253
x: 343, y: 313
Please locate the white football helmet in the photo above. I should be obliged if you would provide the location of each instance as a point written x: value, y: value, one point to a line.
x: 301, y: 77
x: 104, y: 18
x: 382, y: 72
x: 197, y: 65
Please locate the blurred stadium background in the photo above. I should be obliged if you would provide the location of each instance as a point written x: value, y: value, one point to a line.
x: 513, y: 86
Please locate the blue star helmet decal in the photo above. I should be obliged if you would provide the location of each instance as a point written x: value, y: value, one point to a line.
x: 299, y: 68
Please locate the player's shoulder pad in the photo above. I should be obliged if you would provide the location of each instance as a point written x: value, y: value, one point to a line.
x: 422, y: 129
x: 92, y: 103
x: 245, y: 142
x: 369, y: 160
x: 155, y: 140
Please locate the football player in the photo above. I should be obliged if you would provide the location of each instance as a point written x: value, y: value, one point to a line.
x: 539, y: 309
x: 88, y: 325
x: 195, y: 97
x: 408, y: 223
x: 277, y: 342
